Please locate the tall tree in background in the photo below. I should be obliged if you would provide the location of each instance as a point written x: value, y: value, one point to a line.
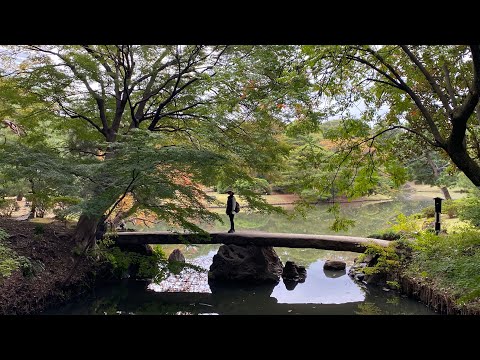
x: 431, y: 92
x: 153, y: 121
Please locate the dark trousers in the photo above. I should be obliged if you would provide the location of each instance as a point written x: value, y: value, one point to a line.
x: 232, y: 225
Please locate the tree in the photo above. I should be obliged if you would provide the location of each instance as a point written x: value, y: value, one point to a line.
x: 431, y: 92
x: 152, y: 122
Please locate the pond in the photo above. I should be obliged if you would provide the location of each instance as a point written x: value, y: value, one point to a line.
x: 323, y: 292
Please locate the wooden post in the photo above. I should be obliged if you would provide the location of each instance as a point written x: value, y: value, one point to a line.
x: 438, y: 210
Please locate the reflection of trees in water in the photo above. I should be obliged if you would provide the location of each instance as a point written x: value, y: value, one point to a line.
x: 133, y: 297
x: 190, y: 251
x: 368, y: 308
x: 378, y: 302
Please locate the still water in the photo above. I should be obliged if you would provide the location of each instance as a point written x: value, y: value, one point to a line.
x: 323, y: 292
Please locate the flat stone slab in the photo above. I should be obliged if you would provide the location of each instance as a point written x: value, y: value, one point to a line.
x: 327, y: 242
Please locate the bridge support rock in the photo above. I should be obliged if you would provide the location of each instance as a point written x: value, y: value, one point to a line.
x: 247, y: 264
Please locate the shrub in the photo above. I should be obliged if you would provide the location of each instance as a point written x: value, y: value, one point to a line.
x: 428, y: 212
x: 470, y: 210
x: 406, y: 224
x: 451, y: 208
x: 8, y: 259
x: 451, y: 262
x: 122, y: 261
x: 39, y: 229
x: 7, y: 207
x: 387, y: 261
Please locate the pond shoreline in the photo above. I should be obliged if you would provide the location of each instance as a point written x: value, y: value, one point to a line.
x: 436, y: 300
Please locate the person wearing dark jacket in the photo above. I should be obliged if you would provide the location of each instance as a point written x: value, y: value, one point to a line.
x: 231, y: 204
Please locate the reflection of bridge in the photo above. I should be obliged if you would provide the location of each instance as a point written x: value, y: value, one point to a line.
x: 327, y: 242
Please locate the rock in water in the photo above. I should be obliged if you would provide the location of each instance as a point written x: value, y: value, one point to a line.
x: 293, y: 274
x: 290, y: 271
x: 334, y: 265
x: 247, y: 263
x: 176, y: 255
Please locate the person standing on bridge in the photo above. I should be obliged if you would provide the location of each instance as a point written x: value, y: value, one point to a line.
x: 230, y: 210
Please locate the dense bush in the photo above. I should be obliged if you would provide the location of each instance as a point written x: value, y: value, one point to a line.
x: 7, y: 207
x: 470, y: 210
x: 387, y: 261
x: 8, y: 259
x: 450, y: 261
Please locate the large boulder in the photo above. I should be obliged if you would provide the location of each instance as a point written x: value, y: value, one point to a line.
x: 177, y: 256
x: 248, y: 264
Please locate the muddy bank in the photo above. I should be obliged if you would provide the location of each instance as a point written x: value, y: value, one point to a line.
x: 49, y: 250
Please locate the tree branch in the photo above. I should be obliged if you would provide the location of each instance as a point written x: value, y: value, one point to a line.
x: 127, y: 190
x: 448, y: 82
x: 429, y: 78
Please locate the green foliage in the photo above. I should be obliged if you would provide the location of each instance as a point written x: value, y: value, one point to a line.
x: 10, y: 261
x: 450, y: 262
x: 452, y: 207
x: 428, y: 212
x: 39, y: 229
x: 122, y: 261
x: 8, y: 258
x: 393, y: 284
x: 406, y: 224
x: 387, y: 260
x: 190, y: 128
x: 386, y: 235
x: 7, y: 207
x: 470, y: 210
x: 259, y: 186
x: 368, y: 308
x: 388, y: 82
x: 3, y: 234
x: 340, y: 223
x: 29, y: 267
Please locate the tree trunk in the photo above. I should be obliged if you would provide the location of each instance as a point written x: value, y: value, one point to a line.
x: 87, y: 225
x: 85, y: 230
x: 446, y: 193
x: 33, y: 210
x: 465, y: 163
x: 436, y: 174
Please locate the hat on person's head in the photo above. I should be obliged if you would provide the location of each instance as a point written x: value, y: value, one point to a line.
x: 229, y: 191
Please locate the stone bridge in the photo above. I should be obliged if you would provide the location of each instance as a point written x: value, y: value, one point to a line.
x: 327, y: 242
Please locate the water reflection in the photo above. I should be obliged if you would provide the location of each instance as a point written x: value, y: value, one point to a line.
x: 323, y: 292
x: 334, y: 274
x: 290, y: 284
